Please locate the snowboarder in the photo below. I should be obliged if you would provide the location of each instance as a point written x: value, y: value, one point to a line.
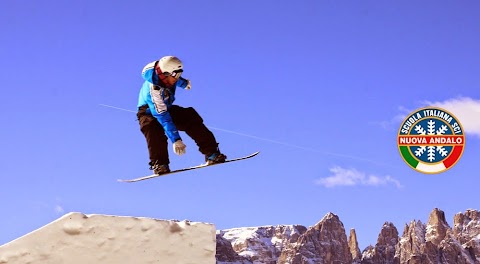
x: 157, y: 116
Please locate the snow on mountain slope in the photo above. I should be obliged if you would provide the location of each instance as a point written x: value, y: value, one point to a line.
x: 262, y: 244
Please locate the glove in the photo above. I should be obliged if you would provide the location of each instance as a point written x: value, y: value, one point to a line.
x: 179, y: 148
x: 189, y: 84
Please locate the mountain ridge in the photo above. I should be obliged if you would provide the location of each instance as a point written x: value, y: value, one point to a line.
x: 326, y: 242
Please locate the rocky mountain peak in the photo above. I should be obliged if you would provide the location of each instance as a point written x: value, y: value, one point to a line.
x: 435, y: 242
x: 437, y: 227
x: 411, y: 243
x: 353, y: 246
x: 466, y: 223
x: 328, y: 219
x: 388, y: 235
x: 466, y: 229
x: 384, y: 250
x: 325, y: 242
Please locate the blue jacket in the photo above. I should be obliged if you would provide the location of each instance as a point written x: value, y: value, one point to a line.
x: 159, y: 99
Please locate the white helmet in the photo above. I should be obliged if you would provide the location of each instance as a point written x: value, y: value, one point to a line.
x: 170, y: 64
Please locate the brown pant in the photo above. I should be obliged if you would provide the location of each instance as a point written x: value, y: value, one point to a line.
x: 185, y: 119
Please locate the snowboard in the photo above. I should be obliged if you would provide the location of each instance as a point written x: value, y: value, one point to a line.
x: 190, y: 168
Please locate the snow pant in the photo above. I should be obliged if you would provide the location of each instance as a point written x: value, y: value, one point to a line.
x: 185, y: 119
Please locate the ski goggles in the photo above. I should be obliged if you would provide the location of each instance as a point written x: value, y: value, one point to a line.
x: 175, y: 74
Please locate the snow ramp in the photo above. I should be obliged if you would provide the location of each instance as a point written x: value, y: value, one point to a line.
x: 79, y: 238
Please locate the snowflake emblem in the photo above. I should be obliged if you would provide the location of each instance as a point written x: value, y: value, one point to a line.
x: 431, y: 152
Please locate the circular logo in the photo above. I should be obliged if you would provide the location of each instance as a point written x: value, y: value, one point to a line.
x: 431, y: 140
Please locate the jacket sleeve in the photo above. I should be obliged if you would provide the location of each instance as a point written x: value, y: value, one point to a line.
x: 182, y: 83
x: 159, y: 111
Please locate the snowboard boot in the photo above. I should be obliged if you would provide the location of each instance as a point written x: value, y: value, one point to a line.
x: 159, y: 169
x: 215, y: 157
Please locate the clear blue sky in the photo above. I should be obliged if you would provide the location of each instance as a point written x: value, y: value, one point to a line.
x: 318, y: 87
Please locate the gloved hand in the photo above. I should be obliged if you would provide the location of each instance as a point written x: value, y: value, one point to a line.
x: 179, y: 148
x: 189, y: 84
